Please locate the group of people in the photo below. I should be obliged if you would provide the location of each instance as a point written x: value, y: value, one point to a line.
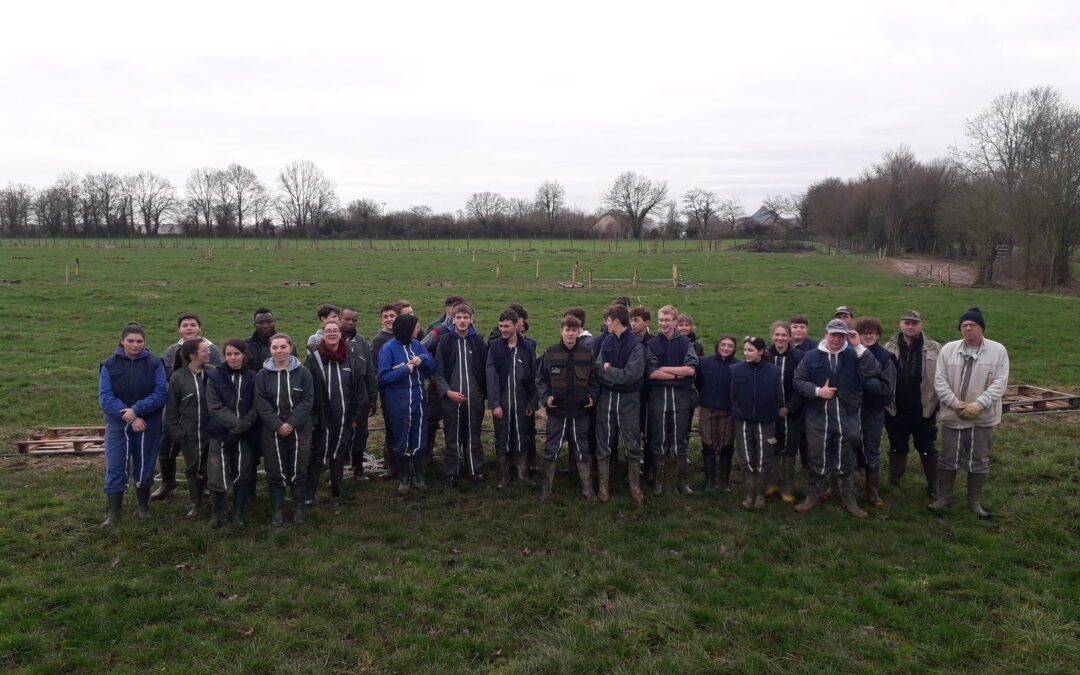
x: 626, y: 388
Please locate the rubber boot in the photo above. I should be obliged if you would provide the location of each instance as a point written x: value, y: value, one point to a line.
x: 504, y: 472
x: 708, y: 461
x: 946, y: 481
x: 847, y: 497
x: 390, y: 466
x: 417, y: 474
x: 240, y: 497
x: 404, y: 471
x: 787, y: 479
x: 682, y: 468
x: 764, y: 479
x: 658, y: 476
x: 314, y: 475
x: 520, y: 461
x: 277, y: 504
x: 897, y: 467
x: 142, y: 496
x: 724, y: 465
x: 634, y: 479
x: 649, y: 473
x: 832, y: 490
x: 168, y: 479
x: 603, y: 468
x: 772, y: 481
x: 930, y: 470
x: 113, y: 502
x: 749, y: 490
x: 813, y: 489
x: 584, y: 470
x: 873, y: 486
x: 547, y: 471
x: 299, y: 515
x: 975, y: 485
x: 217, y: 509
x: 195, y: 492
x: 337, y: 480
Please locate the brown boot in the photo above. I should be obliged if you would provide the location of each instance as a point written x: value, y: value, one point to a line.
x: 976, y: 483
x: 832, y: 490
x: 635, y: 484
x: 603, y: 467
x: 682, y: 465
x: 873, y: 485
x: 548, y: 473
x: 847, y: 497
x: 584, y: 470
x: 813, y: 487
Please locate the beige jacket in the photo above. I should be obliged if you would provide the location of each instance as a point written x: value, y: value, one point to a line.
x: 931, y: 349
x: 986, y: 386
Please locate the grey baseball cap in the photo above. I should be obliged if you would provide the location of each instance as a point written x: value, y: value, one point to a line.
x: 911, y: 315
x: 837, y: 326
x: 844, y: 309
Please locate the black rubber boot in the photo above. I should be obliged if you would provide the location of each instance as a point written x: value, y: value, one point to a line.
x: 311, y: 487
x: 897, y: 467
x: 946, y: 482
x: 504, y: 472
x: 787, y: 479
x: 114, y: 502
x: 873, y: 486
x: 930, y: 470
x: 603, y: 468
x: 584, y: 470
x: 404, y: 471
x: 299, y: 515
x: 277, y: 504
x: 523, y: 469
x: 847, y: 497
x: 337, y: 480
x: 708, y: 461
x: 142, y: 497
x: 417, y: 474
x: 749, y: 490
x: 649, y: 468
x: 547, y: 471
x: 724, y: 465
x: 813, y: 494
x: 682, y: 467
x: 390, y: 465
x: 195, y: 493
x: 217, y: 509
x: 240, y: 497
x: 658, y: 476
x: 168, y: 479
x: 975, y: 485
x: 761, y: 487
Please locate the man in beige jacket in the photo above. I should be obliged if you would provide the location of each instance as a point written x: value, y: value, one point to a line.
x: 970, y: 381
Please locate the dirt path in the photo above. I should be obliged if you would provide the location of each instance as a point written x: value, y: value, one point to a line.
x: 946, y: 273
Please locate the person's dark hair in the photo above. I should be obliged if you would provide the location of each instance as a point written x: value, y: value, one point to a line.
x: 326, y: 309
x: 131, y: 329
x: 347, y: 308
x: 621, y: 300
x: 508, y: 315
x: 800, y: 318
x: 463, y: 307
x: 642, y: 313
x: 620, y: 313
x: 453, y: 300
x: 188, y: 315
x: 759, y: 344
x: 236, y: 343
x: 400, y: 305
x: 869, y: 324
x: 683, y: 317
x: 570, y: 321
x: 725, y: 336
x: 576, y: 312
x: 186, y: 351
x: 389, y: 307
x: 261, y: 310
x: 520, y: 309
x: 285, y: 336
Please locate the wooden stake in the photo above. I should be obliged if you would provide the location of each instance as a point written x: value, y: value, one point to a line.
x: 76, y: 267
x: 498, y: 269
x: 573, y: 274
x: 538, y: 268
x: 474, y: 256
x: 590, y: 277
x: 634, y: 283
x: 674, y: 275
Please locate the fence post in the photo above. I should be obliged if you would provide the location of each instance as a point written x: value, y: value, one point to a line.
x: 590, y: 277
x: 538, y: 268
x: 498, y: 269
x: 674, y: 275
x: 634, y: 282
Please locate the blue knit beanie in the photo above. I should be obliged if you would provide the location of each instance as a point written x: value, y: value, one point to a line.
x: 972, y: 314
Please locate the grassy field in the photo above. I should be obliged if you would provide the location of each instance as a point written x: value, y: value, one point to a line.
x: 483, y: 580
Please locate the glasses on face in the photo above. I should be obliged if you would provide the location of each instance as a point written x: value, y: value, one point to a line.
x: 332, y: 331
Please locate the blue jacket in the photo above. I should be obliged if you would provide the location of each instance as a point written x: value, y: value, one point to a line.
x: 626, y: 355
x: 230, y: 399
x: 853, y: 367
x: 787, y: 363
x: 461, y: 364
x: 394, y: 376
x: 511, y: 372
x: 137, y: 383
x: 714, y: 382
x: 878, y: 392
x: 757, y: 392
x: 677, y: 350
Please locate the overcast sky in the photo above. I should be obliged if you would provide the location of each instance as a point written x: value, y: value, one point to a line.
x: 425, y: 103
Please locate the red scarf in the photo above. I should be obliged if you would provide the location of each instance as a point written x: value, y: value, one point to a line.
x: 337, y: 355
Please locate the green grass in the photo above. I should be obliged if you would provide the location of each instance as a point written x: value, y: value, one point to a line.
x: 481, y: 580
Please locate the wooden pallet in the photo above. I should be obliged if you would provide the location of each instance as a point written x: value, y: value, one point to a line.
x: 1026, y: 399
x: 72, y: 445
x: 67, y: 432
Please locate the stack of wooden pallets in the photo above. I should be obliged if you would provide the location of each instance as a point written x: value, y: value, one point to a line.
x: 71, y: 440
x: 1026, y: 399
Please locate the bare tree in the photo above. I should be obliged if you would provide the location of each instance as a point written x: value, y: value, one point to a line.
x: 199, y: 195
x: 550, y: 199
x: 306, y: 196
x: 486, y: 207
x: 154, y: 197
x: 673, y: 225
x: 730, y: 211
x: 634, y: 196
x: 49, y: 212
x: 103, y: 195
x: 421, y: 212
x: 69, y: 192
x: 243, y: 186
x: 362, y: 212
x: 16, y: 206
x: 224, y: 202
x: 701, y: 207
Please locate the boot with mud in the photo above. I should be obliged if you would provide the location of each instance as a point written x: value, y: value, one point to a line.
x: 930, y: 470
x: 417, y: 474
x: 975, y: 484
x: 337, y: 480
x: 847, y: 497
x: 277, y: 504
x: 504, y: 472
x: 634, y: 480
x: 217, y: 509
x: 299, y: 515
x: 897, y: 467
x: 403, y: 471
x: 603, y: 468
x: 787, y: 479
x: 142, y: 497
x: 724, y: 468
x: 520, y: 461
x: 314, y: 475
x: 873, y: 486
x: 946, y: 482
x: 832, y: 490
x: 584, y: 470
x: 547, y: 475
x: 708, y: 461
x: 749, y: 490
x: 658, y: 476
x: 772, y: 481
x: 239, y: 506
x: 813, y: 497
x: 114, y: 502
x: 764, y: 478
x: 390, y: 464
x: 682, y: 467
x: 195, y: 493
x: 168, y: 479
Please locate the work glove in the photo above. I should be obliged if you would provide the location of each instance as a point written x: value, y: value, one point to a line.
x: 970, y: 411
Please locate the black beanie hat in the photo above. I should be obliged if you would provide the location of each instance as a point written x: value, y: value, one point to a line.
x: 404, y: 326
x: 975, y: 315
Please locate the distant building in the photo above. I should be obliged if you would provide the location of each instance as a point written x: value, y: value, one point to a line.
x: 611, y: 226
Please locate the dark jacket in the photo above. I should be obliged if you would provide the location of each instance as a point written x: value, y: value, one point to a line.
x: 511, y: 374
x: 284, y: 395
x: 878, y: 391
x: 714, y: 382
x: 787, y: 363
x: 258, y: 351
x: 186, y: 414
x: 341, y: 390
x: 461, y: 364
x: 369, y: 367
x: 230, y: 400
x: 757, y: 392
x: 626, y: 356
x: 852, y: 369
x: 168, y: 357
x: 138, y: 383
x: 568, y: 376
x: 673, y: 351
